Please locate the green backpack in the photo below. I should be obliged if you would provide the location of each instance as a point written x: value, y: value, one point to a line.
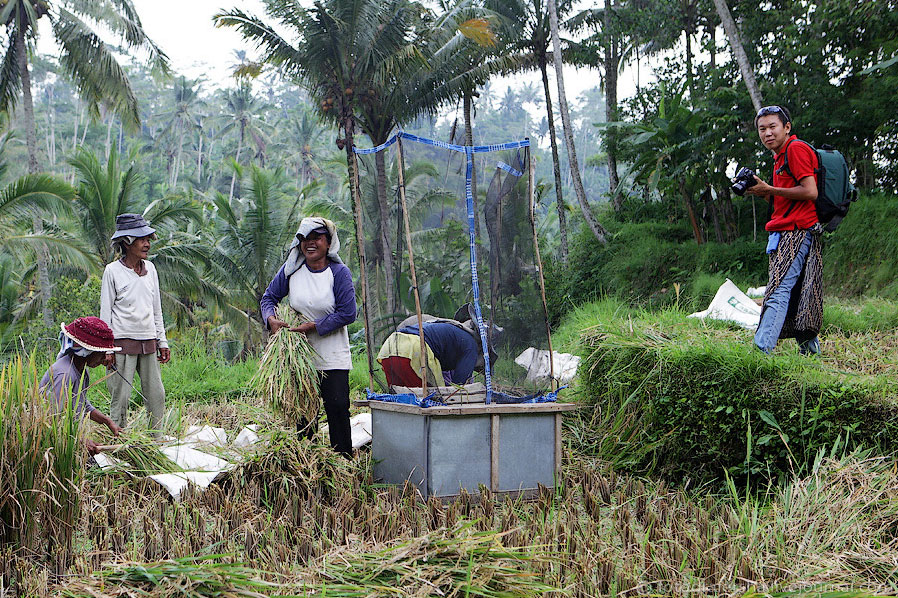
x: 834, y: 189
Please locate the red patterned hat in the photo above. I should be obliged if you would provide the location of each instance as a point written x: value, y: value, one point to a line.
x: 91, y: 333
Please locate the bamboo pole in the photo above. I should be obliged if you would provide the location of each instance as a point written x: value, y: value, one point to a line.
x: 539, y: 265
x: 411, y: 265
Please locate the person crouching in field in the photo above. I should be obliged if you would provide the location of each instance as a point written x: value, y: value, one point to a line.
x: 793, y: 302
x: 131, y: 303
x: 84, y: 342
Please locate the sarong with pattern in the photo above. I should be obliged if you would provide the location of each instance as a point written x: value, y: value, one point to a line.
x: 804, y: 316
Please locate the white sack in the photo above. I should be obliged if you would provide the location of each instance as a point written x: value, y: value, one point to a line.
x: 359, y: 429
x: 205, y: 435
x: 190, y: 459
x: 247, y: 437
x: 756, y: 291
x: 175, y: 483
x: 536, y: 362
x: 732, y: 305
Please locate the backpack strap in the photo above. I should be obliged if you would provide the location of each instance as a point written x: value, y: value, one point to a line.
x: 785, y: 167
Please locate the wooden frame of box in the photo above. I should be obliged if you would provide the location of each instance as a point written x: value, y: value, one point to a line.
x: 508, y: 448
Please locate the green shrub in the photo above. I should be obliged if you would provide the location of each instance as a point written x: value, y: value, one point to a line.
x: 644, y: 261
x: 709, y: 403
x: 859, y: 256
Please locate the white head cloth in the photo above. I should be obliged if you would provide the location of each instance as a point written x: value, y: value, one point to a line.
x: 295, y: 258
x: 66, y: 344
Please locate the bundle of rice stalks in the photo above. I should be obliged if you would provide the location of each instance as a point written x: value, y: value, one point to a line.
x: 447, y: 562
x: 139, y: 454
x: 189, y: 577
x: 297, y: 466
x: 287, y: 377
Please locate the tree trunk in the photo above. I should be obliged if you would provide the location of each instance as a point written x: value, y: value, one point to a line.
x: 690, y: 80
x: 713, y: 210
x: 597, y: 229
x: 43, y: 256
x: 109, y: 134
x: 612, y: 60
x: 352, y: 170
x: 729, y: 214
x: 237, y: 160
x: 174, y: 181
x: 199, y: 158
x: 556, y: 163
x: 748, y: 75
x: 386, y: 249
x: 690, y: 210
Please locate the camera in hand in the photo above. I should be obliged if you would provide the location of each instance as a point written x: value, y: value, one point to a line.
x: 744, y: 179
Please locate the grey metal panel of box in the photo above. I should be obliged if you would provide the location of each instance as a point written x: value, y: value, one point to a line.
x: 509, y: 449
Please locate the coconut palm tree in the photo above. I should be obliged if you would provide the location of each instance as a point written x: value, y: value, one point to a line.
x: 527, y: 36
x: 181, y: 119
x: 242, y: 116
x: 732, y: 31
x: 86, y: 59
x: 251, y: 235
x: 597, y: 229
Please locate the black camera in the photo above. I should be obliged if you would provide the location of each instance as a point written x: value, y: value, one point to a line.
x: 744, y: 179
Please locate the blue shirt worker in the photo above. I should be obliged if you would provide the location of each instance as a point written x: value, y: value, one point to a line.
x: 318, y: 285
x: 453, y: 347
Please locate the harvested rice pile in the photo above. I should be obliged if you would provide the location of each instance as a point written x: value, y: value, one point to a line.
x: 138, y: 454
x: 446, y: 562
x: 287, y: 377
x: 191, y: 577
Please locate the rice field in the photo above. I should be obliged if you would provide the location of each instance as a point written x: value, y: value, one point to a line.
x: 295, y: 519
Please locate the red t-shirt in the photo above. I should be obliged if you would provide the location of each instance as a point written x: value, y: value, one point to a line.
x: 802, y: 162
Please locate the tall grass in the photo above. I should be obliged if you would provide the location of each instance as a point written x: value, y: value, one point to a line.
x: 41, y: 469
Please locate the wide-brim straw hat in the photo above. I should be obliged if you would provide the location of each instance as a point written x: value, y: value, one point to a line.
x: 91, y: 333
x: 132, y: 225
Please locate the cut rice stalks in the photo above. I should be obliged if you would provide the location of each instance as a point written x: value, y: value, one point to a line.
x: 191, y: 577
x: 447, y: 562
x: 287, y: 376
x: 138, y: 454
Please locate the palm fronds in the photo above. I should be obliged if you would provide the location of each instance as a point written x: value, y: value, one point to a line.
x: 287, y: 377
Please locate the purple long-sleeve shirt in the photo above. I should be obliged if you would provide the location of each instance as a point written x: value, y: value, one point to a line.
x: 326, y: 297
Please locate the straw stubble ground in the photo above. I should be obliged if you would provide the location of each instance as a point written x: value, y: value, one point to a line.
x: 312, y: 524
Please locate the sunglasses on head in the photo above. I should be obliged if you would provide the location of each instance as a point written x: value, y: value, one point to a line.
x: 772, y: 110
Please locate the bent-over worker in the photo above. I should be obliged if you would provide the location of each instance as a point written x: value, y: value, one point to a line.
x: 453, y: 346
x: 84, y: 342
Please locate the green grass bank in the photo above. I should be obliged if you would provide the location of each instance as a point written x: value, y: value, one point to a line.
x: 694, y: 400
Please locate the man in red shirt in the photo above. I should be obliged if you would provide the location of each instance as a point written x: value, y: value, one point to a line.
x: 793, y: 302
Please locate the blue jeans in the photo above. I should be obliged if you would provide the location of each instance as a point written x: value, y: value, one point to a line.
x: 778, y: 303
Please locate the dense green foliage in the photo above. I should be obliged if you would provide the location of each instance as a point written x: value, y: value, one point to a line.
x: 645, y: 258
x: 859, y: 257
x: 696, y: 400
